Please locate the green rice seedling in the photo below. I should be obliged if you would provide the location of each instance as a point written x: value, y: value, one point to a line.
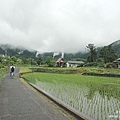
x: 93, y: 96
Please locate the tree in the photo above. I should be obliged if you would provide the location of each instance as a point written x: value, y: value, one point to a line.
x: 25, y: 61
x: 50, y: 62
x: 1, y: 58
x: 39, y: 60
x: 108, y: 54
x: 14, y: 59
x: 31, y: 61
x: 93, y: 54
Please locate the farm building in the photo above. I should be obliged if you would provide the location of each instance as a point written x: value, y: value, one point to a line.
x: 117, y: 61
x: 74, y: 63
x: 60, y: 62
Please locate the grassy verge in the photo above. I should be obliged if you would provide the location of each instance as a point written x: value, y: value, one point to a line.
x: 25, y: 69
x: 76, y: 70
x: 2, y: 72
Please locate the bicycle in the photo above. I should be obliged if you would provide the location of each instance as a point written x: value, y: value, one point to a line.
x: 11, y: 74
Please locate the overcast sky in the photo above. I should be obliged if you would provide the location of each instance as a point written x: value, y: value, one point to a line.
x: 59, y: 25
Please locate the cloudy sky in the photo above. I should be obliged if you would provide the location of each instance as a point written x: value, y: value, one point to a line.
x: 59, y: 25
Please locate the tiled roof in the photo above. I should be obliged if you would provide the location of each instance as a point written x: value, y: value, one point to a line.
x: 117, y: 60
x: 60, y: 60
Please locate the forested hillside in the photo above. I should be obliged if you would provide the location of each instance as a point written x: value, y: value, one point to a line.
x: 9, y: 50
x: 116, y: 46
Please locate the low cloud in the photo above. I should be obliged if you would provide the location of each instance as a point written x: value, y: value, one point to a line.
x: 59, y: 25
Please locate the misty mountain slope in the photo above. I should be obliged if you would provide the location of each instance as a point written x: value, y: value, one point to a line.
x: 6, y: 49
x: 23, y: 52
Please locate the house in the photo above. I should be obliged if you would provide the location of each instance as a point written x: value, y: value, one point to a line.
x: 60, y: 62
x: 74, y: 63
x: 117, y: 61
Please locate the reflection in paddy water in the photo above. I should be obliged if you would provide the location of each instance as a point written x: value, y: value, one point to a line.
x: 93, y: 101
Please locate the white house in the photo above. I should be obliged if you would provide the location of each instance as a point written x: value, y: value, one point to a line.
x: 74, y: 63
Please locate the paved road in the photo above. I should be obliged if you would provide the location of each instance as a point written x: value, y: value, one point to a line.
x: 18, y: 101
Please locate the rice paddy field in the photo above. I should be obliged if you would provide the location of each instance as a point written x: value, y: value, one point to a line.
x: 97, y: 98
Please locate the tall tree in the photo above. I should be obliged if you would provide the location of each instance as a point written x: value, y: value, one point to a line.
x: 93, y: 53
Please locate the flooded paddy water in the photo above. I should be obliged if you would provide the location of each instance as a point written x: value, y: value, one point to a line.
x: 96, y: 104
x: 96, y: 98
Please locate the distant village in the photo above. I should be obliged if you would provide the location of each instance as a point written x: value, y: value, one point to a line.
x: 60, y: 62
x: 104, y: 57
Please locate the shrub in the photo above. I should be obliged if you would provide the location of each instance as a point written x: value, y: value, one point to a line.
x: 91, y: 64
x: 51, y: 63
x: 1, y: 66
x: 110, y: 65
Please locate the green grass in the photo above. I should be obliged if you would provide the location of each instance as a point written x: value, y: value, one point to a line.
x: 71, y: 78
x: 24, y: 69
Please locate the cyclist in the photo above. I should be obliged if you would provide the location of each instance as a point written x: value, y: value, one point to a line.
x: 12, y: 69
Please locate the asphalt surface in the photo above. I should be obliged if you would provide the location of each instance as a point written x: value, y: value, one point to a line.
x: 18, y: 101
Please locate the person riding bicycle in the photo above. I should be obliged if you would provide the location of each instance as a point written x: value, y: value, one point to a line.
x: 12, y: 69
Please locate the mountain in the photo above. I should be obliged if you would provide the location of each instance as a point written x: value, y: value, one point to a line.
x: 6, y: 49
x: 9, y: 50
